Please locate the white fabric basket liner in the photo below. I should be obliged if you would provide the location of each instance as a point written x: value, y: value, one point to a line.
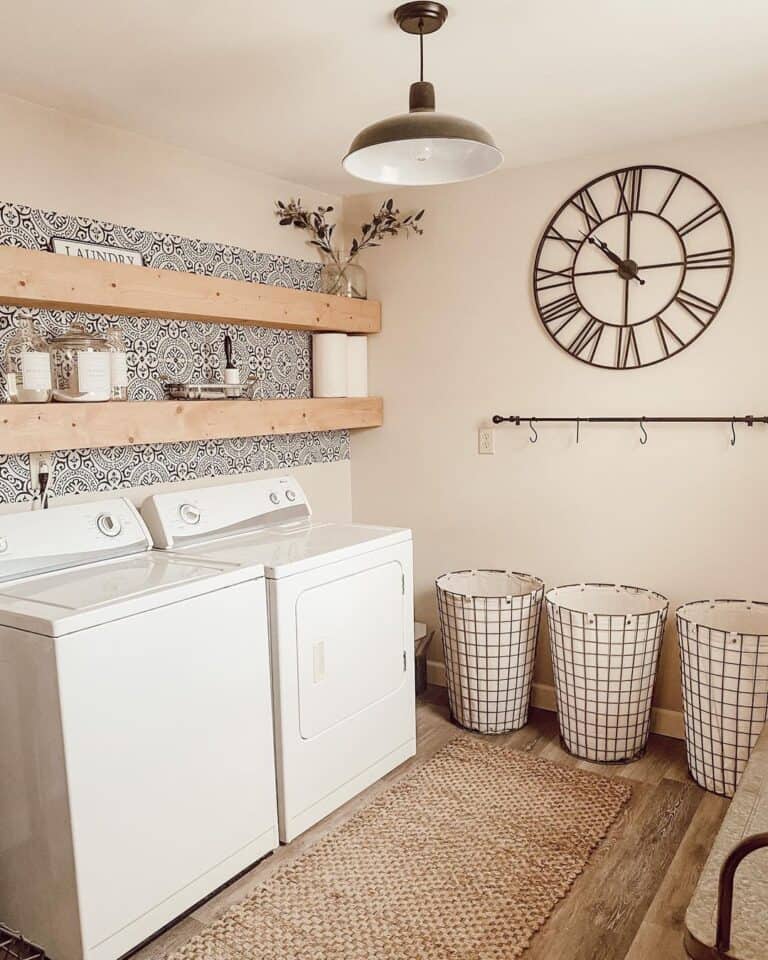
x: 489, y: 584
x: 489, y: 621
x: 605, y: 641
x: 606, y: 600
x: 724, y: 664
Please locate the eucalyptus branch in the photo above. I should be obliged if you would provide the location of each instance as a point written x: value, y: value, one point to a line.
x: 386, y: 222
x: 292, y: 213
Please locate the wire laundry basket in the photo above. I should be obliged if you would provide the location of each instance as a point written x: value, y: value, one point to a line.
x: 724, y: 666
x: 605, y: 642
x: 489, y: 622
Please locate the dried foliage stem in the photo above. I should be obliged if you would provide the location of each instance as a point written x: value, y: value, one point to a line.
x: 386, y: 222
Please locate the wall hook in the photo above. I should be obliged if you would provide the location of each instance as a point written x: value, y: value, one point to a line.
x: 644, y: 433
x: 733, y: 433
x: 578, y: 424
x: 534, y: 435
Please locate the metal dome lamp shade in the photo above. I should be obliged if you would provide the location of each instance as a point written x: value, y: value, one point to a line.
x: 422, y: 147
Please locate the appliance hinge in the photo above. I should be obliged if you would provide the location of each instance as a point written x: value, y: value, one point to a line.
x: 404, y: 662
x: 402, y: 583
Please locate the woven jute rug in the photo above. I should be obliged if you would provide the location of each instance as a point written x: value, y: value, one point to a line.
x: 464, y: 859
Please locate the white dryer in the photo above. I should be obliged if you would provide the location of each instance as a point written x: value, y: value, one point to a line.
x: 341, y: 628
x: 136, y: 747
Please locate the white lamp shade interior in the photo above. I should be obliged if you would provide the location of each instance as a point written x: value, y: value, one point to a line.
x: 420, y: 162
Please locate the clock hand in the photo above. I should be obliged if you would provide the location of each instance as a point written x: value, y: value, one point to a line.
x: 606, y: 250
x: 629, y: 267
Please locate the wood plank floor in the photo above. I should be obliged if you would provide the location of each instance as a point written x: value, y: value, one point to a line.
x: 630, y: 902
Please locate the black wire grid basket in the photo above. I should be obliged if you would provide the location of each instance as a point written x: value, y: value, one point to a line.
x: 605, y: 642
x: 14, y: 947
x: 724, y: 665
x: 489, y: 621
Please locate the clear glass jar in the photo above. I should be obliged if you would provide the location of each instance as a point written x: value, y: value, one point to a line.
x: 118, y: 360
x: 344, y: 279
x: 81, y: 366
x: 27, y: 364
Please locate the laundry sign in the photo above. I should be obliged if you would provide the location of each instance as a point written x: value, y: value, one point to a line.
x: 96, y: 251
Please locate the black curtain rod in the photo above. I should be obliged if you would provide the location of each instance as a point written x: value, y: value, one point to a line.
x: 748, y: 420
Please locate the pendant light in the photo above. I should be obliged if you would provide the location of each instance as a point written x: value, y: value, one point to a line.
x: 422, y: 147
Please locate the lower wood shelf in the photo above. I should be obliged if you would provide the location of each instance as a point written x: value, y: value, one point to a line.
x: 26, y: 428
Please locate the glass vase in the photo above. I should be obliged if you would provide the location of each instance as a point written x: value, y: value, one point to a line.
x: 344, y: 278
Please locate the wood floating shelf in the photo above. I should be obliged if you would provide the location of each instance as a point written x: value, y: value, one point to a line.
x: 31, y: 278
x: 27, y: 428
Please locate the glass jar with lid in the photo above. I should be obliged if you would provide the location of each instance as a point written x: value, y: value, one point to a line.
x: 81, y: 366
x: 27, y: 364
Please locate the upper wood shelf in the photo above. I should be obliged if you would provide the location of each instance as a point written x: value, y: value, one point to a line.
x: 30, y: 427
x: 31, y: 278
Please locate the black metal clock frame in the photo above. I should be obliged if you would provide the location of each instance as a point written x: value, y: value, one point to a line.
x: 569, y: 304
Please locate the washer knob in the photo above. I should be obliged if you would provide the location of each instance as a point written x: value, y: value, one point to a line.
x: 189, y: 513
x: 3, y: 544
x: 290, y: 495
x: 273, y: 498
x: 108, y: 524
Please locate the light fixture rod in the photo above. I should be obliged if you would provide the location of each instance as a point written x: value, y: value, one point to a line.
x: 421, y: 51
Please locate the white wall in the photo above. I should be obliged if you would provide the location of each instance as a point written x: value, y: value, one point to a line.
x: 58, y: 162
x: 686, y: 514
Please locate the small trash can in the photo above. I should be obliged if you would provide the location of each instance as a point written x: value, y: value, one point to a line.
x: 724, y: 667
x: 605, y: 642
x: 489, y: 620
x: 422, y: 637
x: 14, y: 947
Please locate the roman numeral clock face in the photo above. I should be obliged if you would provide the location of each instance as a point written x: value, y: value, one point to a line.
x: 633, y: 267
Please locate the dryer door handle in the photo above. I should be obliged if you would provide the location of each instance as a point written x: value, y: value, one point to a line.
x: 318, y: 661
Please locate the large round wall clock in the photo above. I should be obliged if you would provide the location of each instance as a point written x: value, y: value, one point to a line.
x: 633, y: 267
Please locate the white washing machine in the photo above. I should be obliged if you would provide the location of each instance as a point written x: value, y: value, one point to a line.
x: 341, y: 626
x: 136, y: 747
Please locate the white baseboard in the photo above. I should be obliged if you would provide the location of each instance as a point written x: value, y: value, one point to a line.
x: 668, y: 723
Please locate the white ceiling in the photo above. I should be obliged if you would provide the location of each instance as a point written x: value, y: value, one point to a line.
x: 282, y: 86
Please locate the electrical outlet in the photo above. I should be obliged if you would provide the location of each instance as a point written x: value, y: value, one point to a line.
x: 486, y: 440
x: 40, y: 463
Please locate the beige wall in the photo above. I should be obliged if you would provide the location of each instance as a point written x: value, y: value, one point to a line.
x: 57, y: 162
x: 686, y: 514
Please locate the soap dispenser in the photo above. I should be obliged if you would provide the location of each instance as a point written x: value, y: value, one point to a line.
x: 231, y: 372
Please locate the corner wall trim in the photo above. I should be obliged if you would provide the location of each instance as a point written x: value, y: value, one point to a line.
x: 667, y: 723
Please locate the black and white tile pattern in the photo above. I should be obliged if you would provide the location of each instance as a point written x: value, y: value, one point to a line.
x: 176, y: 351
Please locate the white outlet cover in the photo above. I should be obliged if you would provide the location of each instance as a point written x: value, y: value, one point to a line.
x: 486, y: 440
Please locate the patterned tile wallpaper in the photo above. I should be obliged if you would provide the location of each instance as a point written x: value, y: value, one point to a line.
x: 177, y: 351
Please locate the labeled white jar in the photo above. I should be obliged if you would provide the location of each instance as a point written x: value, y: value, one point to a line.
x: 118, y: 363
x: 81, y: 367
x: 27, y: 364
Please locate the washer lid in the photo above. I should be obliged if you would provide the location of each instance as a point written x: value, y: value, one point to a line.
x: 284, y: 553
x: 59, y: 603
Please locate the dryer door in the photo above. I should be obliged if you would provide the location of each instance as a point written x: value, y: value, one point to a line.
x: 350, y: 645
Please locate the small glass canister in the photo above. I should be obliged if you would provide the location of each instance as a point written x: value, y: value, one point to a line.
x: 81, y: 366
x: 27, y: 364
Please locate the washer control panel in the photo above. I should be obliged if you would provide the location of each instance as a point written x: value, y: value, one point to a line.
x: 178, y: 518
x: 40, y: 541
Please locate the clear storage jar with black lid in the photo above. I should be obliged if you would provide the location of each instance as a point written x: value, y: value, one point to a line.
x: 81, y: 366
